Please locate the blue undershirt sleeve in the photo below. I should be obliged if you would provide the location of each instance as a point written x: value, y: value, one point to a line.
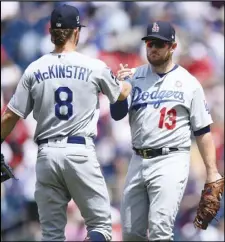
x: 202, y: 131
x: 119, y: 109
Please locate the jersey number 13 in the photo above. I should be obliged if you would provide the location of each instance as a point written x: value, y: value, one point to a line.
x: 171, y: 123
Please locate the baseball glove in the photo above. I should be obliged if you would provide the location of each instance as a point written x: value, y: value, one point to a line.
x: 209, y: 204
x: 6, y: 172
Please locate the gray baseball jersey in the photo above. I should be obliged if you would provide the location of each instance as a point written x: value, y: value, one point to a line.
x: 163, y: 111
x: 62, y: 90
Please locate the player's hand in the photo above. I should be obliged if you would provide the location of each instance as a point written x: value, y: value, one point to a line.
x: 124, y: 72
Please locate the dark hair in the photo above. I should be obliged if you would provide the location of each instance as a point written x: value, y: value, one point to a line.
x: 60, y: 36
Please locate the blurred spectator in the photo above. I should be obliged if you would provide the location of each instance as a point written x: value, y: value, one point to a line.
x: 113, y: 34
x: 9, y: 10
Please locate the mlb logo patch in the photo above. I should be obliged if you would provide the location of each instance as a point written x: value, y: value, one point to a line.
x: 58, y: 25
x: 178, y: 84
x: 155, y: 27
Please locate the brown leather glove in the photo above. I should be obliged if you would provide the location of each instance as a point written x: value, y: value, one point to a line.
x: 209, y: 204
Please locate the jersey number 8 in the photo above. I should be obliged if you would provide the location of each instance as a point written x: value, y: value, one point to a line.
x: 61, y: 103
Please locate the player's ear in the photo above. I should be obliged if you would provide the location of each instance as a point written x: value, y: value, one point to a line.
x: 76, y: 30
x: 173, y: 47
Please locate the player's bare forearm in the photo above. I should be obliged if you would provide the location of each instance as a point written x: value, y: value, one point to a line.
x: 126, y: 89
x: 8, y: 122
x: 207, y: 150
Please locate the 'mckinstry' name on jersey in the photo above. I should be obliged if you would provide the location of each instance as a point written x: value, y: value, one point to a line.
x: 62, y: 71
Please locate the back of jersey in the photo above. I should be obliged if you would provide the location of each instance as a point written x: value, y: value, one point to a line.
x: 63, y: 93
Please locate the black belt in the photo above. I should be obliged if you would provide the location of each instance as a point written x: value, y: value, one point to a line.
x: 150, y: 153
x: 70, y: 139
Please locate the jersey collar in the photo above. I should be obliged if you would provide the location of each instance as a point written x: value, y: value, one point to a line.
x: 162, y: 76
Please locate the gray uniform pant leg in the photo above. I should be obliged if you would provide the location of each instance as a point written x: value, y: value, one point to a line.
x: 51, y: 195
x: 88, y: 189
x: 71, y: 172
x: 134, y: 204
x: 166, y: 186
x: 152, y: 195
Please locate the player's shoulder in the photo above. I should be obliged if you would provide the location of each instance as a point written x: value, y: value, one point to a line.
x: 187, y: 77
x: 93, y: 63
x: 140, y: 73
x: 141, y: 70
x: 36, y: 64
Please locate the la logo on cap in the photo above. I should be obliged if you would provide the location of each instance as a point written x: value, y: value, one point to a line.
x: 155, y: 27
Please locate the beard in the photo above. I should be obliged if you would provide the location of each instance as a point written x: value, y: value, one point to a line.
x: 160, y: 61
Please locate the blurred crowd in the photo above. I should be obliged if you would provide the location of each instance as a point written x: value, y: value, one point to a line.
x: 113, y: 34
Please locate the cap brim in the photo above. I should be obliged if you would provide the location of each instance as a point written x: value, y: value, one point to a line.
x: 155, y: 36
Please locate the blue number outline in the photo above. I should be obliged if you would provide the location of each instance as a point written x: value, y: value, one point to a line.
x: 67, y: 102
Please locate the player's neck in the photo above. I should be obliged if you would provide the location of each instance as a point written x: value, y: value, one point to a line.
x: 164, y: 68
x: 68, y: 47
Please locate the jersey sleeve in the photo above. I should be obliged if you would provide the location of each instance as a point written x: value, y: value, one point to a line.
x: 21, y: 102
x: 109, y: 84
x: 200, y: 116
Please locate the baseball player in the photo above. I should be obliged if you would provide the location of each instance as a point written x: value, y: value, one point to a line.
x: 62, y: 88
x: 166, y: 104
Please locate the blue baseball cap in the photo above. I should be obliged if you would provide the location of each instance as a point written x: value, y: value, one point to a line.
x: 160, y: 30
x: 65, y: 17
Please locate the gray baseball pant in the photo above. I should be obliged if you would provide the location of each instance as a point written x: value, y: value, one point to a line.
x: 152, y: 195
x: 66, y: 171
